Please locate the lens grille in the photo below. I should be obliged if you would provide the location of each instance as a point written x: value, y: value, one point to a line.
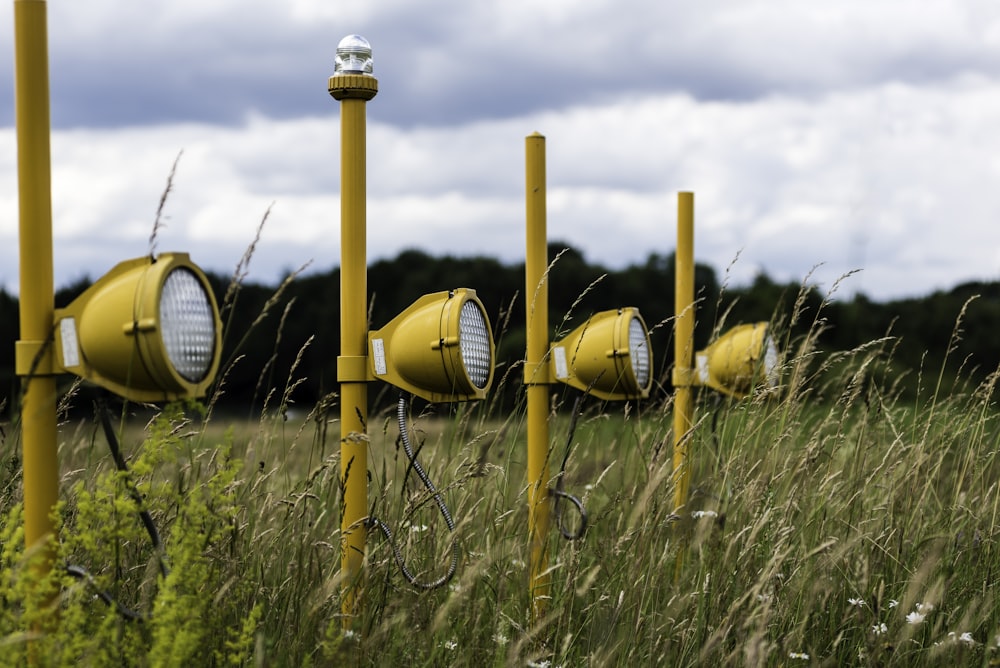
x: 474, y: 344
x: 639, y: 352
x: 187, y: 324
x: 770, y: 362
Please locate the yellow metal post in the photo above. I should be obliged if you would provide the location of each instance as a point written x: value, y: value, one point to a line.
x: 33, y: 350
x: 536, y: 374
x: 684, y: 309
x: 353, y: 92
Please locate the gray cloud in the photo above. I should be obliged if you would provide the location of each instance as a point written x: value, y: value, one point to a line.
x: 818, y: 139
x: 447, y: 62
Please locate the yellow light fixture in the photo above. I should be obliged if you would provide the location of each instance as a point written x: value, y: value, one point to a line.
x: 147, y: 330
x: 608, y: 356
x: 440, y: 348
x: 739, y: 360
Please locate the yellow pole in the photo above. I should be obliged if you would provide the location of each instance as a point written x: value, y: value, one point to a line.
x: 353, y: 92
x: 536, y: 374
x: 33, y: 350
x: 684, y: 309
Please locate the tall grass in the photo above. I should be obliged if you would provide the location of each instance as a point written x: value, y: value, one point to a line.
x: 831, y: 521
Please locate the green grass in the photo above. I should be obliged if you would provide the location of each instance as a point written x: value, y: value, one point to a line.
x: 828, y: 518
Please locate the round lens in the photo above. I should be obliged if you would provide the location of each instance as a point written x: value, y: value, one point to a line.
x: 770, y: 363
x: 187, y: 324
x: 639, y: 352
x: 474, y: 344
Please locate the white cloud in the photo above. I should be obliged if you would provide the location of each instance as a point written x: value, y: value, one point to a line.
x: 829, y: 135
x: 897, y: 178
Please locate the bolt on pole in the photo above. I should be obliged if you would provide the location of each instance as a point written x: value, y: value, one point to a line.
x: 536, y: 375
x: 353, y: 88
x: 33, y: 352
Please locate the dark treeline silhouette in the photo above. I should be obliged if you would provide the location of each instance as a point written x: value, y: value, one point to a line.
x: 277, y: 337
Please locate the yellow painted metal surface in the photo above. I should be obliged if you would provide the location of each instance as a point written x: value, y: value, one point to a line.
x: 683, y: 345
x: 353, y: 92
x: 38, y: 411
x: 737, y: 361
x: 597, y: 357
x: 420, y: 349
x: 112, y: 334
x: 537, y: 383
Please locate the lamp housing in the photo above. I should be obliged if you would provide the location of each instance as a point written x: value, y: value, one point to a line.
x: 608, y: 356
x: 440, y: 348
x: 148, y: 330
x: 738, y: 361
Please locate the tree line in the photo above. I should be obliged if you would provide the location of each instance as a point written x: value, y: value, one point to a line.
x: 284, y: 338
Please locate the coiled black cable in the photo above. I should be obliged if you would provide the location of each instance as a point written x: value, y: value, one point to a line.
x: 558, y: 492
x: 402, y: 409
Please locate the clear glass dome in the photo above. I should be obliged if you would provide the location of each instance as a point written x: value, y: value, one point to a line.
x: 354, y: 56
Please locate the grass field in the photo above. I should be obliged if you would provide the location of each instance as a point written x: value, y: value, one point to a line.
x: 831, y: 522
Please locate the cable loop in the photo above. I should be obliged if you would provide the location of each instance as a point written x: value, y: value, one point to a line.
x: 558, y: 492
x: 568, y: 535
x: 401, y: 562
x: 401, y: 415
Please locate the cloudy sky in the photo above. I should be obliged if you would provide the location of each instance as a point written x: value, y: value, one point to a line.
x: 819, y: 138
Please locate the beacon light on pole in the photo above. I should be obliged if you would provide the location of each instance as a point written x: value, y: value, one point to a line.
x: 440, y: 348
x: 608, y: 356
x: 739, y: 360
x: 148, y: 330
x: 354, y: 56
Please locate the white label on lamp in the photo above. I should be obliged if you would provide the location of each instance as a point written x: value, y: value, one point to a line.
x: 559, y: 355
x: 378, y: 355
x: 70, y: 345
x: 701, y: 366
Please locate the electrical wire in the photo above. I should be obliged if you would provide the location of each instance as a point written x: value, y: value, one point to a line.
x: 402, y: 410
x: 78, y: 572
x: 558, y: 492
x: 133, y: 491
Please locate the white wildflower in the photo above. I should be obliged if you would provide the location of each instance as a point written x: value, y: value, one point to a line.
x: 798, y: 655
x: 500, y: 639
x: 857, y: 602
x: 893, y: 603
x: 924, y: 608
x: 879, y: 629
x: 451, y: 645
x: 698, y: 514
x: 966, y: 638
x: 418, y: 528
x: 349, y: 634
x: 915, y: 618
